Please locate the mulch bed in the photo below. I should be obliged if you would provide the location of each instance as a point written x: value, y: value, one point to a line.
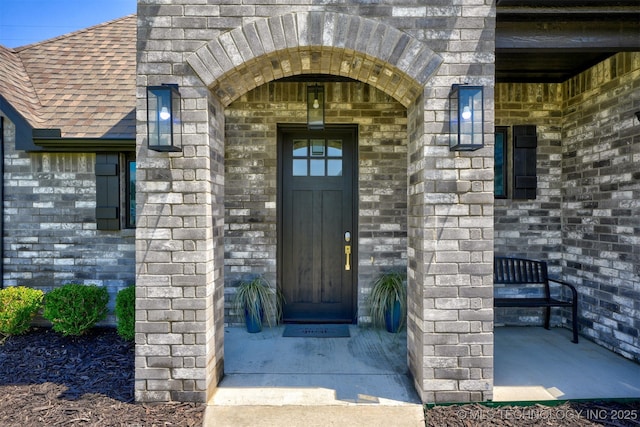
x: 568, y: 414
x: 50, y: 380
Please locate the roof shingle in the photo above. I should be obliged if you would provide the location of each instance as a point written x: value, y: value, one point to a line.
x: 82, y: 83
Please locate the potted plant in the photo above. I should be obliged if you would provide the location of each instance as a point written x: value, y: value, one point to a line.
x: 257, y: 300
x: 388, y: 301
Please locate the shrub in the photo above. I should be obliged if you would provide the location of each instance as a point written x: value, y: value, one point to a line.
x: 18, y: 305
x: 126, y: 312
x: 74, y: 309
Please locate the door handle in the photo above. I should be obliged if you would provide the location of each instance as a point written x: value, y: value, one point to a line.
x: 347, y: 254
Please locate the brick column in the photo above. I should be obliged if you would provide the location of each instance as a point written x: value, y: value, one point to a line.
x: 450, y: 239
x: 179, y: 295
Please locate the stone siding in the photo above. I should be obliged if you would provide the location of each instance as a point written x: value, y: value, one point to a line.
x: 50, y: 235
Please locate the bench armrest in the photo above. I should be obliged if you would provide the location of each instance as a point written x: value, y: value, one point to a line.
x: 574, y: 292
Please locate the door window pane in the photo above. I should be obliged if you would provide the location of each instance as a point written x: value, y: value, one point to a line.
x: 334, y: 148
x: 317, y: 147
x: 300, y: 148
x: 334, y: 167
x: 300, y: 167
x: 317, y: 167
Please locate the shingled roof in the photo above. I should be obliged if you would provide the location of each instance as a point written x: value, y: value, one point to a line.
x: 83, y: 83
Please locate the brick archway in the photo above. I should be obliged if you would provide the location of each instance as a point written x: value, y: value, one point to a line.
x: 315, y: 42
x: 179, y: 235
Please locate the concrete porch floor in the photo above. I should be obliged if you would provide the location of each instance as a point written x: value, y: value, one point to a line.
x: 368, y: 367
x: 531, y: 363
x: 364, y: 380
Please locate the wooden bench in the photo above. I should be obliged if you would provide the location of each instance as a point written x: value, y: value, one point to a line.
x: 526, y: 272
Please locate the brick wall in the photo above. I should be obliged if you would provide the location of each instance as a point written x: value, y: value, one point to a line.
x: 601, y: 200
x: 50, y: 233
x: 251, y: 173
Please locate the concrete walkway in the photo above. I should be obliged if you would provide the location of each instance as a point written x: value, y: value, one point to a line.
x: 363, y: 380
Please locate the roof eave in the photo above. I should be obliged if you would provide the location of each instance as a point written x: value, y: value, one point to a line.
x: 84, y: 145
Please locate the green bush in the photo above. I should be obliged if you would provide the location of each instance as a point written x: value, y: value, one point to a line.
x: 18, y: 305
x: 74, y: 309
x: 126, y: 312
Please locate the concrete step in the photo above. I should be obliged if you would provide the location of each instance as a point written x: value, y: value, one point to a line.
x: 315, y: 416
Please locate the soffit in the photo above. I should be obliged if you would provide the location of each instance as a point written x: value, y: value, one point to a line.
x: 553, y: 40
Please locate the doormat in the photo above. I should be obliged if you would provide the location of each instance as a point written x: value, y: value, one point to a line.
x: 316, y: 331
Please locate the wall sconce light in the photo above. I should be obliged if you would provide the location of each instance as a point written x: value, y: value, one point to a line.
x: 315, y: 107
x: 466, y: 118
x: 164, y: 124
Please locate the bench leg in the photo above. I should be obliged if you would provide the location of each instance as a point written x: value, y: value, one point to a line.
x: 547, y: 317
x: 574, y: 322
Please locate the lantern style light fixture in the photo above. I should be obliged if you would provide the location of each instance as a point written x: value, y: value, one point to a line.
x: 164, y: 124
x: 466, y: 118
x: 315, y: 107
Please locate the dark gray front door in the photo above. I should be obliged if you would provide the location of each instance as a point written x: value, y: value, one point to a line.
x: 318, y: 245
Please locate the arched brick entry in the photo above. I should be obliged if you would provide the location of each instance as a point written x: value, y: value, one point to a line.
x: 315, y: 42
x: 179, y: 255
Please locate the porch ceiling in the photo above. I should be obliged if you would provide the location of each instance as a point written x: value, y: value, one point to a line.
x: 553, y: 40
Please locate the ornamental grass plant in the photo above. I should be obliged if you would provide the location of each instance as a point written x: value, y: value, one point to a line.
x: 389, y: 292
x: 258, y: 301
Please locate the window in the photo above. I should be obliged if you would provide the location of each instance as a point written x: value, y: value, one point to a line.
x: 523, y: 166
x: 317, y: 157
x: 500, y: 163
x: 131, y: 193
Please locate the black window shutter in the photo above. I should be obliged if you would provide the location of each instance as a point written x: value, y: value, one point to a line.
x: 107, y: 191
x: 525, y: 142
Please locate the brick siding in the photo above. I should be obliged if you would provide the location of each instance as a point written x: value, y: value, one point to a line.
x: 50, y: 233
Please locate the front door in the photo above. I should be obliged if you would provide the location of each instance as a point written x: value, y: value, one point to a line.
x: 318, y: 226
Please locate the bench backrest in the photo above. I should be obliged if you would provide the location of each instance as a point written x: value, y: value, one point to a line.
x: 518, y: 271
